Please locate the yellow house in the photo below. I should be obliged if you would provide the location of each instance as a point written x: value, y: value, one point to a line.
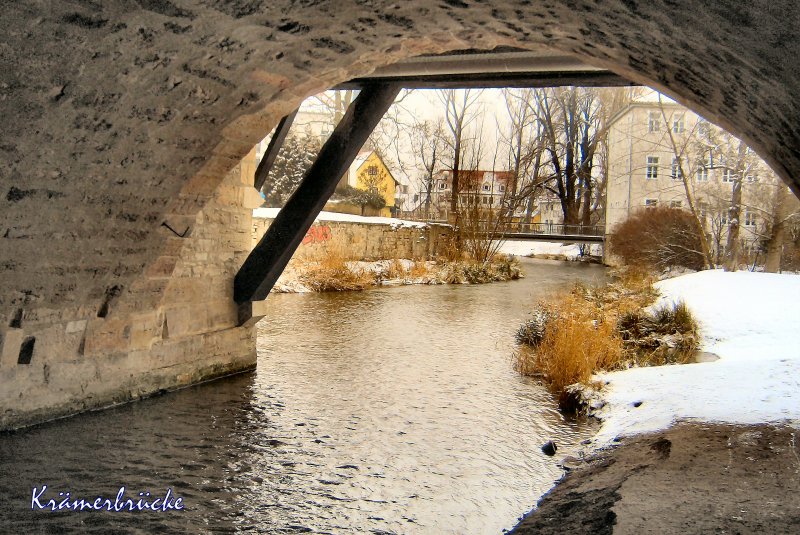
x: 368, y: 172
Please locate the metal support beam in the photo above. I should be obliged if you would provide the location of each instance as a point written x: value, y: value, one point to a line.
x: 267, y: 261
x: 264, y: 166
x: 488, y: 69
x: 497, y: 80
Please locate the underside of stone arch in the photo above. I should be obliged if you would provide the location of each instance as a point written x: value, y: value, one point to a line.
x: 122, y: 225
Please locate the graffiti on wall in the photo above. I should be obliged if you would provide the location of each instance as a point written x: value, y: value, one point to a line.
x: 317, y: 234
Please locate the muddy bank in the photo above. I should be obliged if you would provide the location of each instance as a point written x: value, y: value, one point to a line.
x: 692, y: 478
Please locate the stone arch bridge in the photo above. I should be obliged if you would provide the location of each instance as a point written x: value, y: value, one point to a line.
x: 121, y: 225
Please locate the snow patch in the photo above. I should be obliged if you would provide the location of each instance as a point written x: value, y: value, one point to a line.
x: 271, y: 213
x: 748, y: 320
x: 531, y: 248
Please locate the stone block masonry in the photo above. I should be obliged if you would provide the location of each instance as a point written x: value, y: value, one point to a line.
x: 353, y: 240
x: 176, y: 325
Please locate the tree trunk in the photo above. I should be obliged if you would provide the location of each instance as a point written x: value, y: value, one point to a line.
x: 732, y: 246
x: 778, y: 231
x: 456, y: 165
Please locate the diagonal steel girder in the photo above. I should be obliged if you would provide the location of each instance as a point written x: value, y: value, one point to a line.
x: 267, y: 260
x: 264, y: 166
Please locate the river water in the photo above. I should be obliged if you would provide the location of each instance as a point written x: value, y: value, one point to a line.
x: 394, y: 410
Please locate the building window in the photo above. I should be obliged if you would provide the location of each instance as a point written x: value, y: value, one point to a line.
x: 677, y: 171
x: 727, y: 175
x: 702, y: 127
x: 752, y: 178
x: 677, y: 124
x: 723, y: 218
x: 702, y: 209
x: 749, y: 219
x: 675, y: 204
x: 654, y: 122
x: 372, y: 170
x: 652, y: 167
x: 486, y: 187
x: 502, y: 188
x: 702, y: 174
x: 442, y: 185
x: 650, y: 203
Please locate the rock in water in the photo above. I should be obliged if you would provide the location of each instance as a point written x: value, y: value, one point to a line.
x: 549, y: 448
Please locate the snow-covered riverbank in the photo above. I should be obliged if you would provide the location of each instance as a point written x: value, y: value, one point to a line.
x: 748, y: 320
x: 549, y: 250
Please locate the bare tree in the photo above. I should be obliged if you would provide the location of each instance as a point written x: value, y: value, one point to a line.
x: 574, y: 124
x: 684, y: 147
x: 428, y: 142
x: 460, y: 111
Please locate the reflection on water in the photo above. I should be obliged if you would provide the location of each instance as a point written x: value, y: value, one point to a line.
x: 389, y: 411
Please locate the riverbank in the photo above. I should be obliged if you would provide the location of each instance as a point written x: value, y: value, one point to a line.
x: 738, y: 416
x: 336, y: 274
x: 691, y: 478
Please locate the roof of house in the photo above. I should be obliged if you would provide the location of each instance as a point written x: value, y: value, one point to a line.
x: 363, y: 156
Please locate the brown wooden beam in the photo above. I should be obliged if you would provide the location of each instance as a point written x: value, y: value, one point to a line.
x: 267, y: 261
x: 264, y: 166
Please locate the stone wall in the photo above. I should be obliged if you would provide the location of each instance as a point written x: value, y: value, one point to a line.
x: 366, y: 241
x: 176, y: 324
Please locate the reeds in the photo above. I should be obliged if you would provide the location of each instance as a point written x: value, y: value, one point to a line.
x: 576, y: 334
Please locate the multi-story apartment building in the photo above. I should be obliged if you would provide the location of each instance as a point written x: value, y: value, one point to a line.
x: 659, y: 150
x: 484, y: 189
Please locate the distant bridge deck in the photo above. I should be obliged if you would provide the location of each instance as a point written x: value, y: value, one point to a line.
x: 535, y: 231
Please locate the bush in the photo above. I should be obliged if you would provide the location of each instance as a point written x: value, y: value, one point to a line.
x: 360, y: 197
x: 587, y: 330
x: 658, y: 238
x: 668, y: 335
x: 531, y: 332
x: 582, y: 341
x: 332, y: 274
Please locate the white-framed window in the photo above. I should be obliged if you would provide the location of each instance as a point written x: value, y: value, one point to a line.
x: 442, y: 185
x: 727, y: 175
x: 372, y: 170
x: 675, y: 204
x: 677, y: 171
x: 650, y: 203
x: 749, y: 219
x: 702, y: 174
x: 502, y: 188
x: 486, y: 187
x: 678, y: 124
x: 654, y: 121
x: 752, y: 177
x: 652, y: 167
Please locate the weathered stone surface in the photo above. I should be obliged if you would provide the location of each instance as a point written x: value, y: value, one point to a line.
x: 365, y: 241
x: 122, y: 118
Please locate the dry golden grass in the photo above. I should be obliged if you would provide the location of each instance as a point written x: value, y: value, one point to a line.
x: 332, y: 274
x: 579, y: 340
x: 588, y: 330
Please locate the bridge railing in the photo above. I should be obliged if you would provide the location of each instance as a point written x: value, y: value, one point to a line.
x: 558, y: 229
x: 517, y: 226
